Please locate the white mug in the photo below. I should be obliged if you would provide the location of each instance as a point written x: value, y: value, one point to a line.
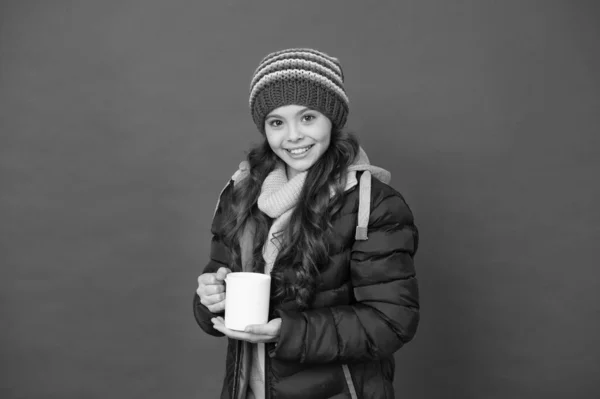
x: 246, y: 299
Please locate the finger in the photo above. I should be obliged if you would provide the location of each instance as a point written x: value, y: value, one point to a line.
x: 207, y: 290
x: 240, y: 335
x: 218, y: 320
x: 217, y: 307
x: 214, y: 289
x: 271, y: 328
x: 212, y: 299
x: 222, y: 273
x: 261, y: 329
x: 207, y: 279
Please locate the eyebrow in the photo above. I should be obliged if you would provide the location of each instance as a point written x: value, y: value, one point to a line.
x: 297, y: 113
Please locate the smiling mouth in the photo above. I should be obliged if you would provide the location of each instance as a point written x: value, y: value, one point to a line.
x: 298, y: 151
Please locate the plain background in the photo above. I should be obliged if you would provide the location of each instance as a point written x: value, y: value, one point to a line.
x: 120, y: 121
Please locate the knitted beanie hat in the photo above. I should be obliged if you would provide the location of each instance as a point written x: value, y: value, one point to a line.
x: 299, y: 76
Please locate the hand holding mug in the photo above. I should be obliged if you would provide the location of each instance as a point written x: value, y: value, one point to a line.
x: 211, y: 289
x: 255, y: 333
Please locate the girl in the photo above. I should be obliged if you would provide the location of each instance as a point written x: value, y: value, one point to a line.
x: 338, y: 244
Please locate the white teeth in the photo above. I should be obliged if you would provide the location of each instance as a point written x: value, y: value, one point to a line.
x: 299, y: 150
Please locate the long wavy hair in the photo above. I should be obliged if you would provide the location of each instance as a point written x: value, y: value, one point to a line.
x: 302, y: 248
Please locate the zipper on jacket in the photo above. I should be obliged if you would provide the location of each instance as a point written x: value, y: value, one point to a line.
x: 236, y: 369
x: 349, y: 381
x: 267, y: 371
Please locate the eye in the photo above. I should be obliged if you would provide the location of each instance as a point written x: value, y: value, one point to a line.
x: 274, y: 123
x: 308, y: 117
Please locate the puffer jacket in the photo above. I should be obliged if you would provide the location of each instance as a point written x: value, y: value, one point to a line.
x: 366, y: 308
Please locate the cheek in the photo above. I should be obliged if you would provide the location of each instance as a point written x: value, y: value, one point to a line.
x: 327, y: 141
x: 273, y: 142
x: 325, y: 133
x: 325, y: 146
x: 325, y: 138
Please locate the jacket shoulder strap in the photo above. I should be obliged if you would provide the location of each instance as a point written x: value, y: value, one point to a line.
x: 364, y: 206
x: 242, y: 172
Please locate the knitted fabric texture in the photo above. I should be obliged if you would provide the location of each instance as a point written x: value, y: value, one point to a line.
x: 278, y: 199
x: 299, y: 76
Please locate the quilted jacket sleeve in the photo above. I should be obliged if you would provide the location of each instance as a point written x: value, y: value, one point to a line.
x: 219, y: 257
x: 386, y: 312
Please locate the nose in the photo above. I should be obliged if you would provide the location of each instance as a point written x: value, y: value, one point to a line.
x: 294, y: 133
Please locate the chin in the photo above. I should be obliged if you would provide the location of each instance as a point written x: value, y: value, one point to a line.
x: 301, y: 166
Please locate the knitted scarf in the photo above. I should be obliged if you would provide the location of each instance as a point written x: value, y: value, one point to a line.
x: 278, y: 199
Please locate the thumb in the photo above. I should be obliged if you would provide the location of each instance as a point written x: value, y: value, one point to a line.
x: 258, y: 329
x: 222, y: 273
x: 271, y: 328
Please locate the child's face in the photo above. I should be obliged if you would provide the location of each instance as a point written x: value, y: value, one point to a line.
x: 298, y: 135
